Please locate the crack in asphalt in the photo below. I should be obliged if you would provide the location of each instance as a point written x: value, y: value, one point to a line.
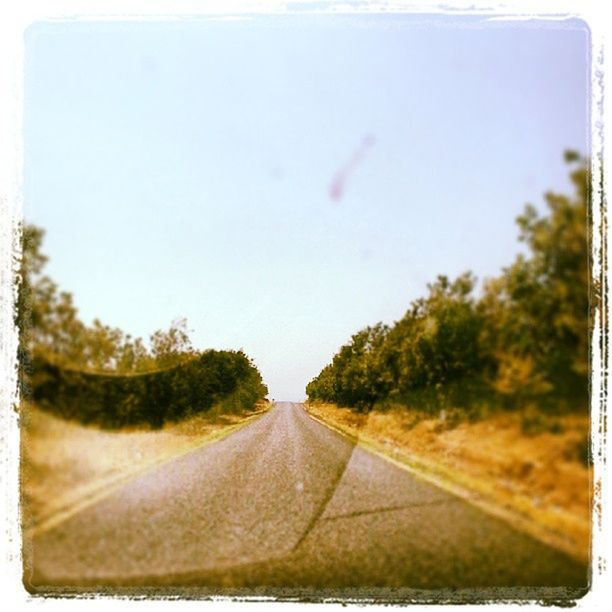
x: 318, y: 516
x: 329, y: 494
x: 176, y: 527
x: 332, y: 490
x: 438, y: 502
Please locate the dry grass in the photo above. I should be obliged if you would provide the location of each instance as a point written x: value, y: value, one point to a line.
x: 63, y: 464
x: 538, y: 480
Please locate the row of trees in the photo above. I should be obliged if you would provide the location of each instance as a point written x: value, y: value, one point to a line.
x: 154, y: 398
x: 97, y: 374
x: 523, y: 339
x: 49, y: 325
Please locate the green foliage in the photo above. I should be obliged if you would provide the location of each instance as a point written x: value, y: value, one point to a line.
x: 357, y: 375
x: 432, y: 347
x: 50, y: 327
x: 182, y: 391
x: 537, y: 312
x: 172, y: 347
x: 46, y: 317
x: 437, y: 342
x: 525, y: 340
x: 98, y: 374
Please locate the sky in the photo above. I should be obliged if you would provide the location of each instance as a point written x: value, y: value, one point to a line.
x: 283, y: 182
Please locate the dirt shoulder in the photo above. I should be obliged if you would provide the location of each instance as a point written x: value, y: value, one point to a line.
x: 538, y: 481
x: 66, y: 466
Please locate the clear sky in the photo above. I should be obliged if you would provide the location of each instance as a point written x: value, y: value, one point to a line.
x: 284, y: 182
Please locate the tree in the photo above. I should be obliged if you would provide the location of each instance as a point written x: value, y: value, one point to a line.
x: 437, y: 341
x: 524, y: 341
x: 173, y: 346
x: 133, y: 356
x: 47, y: 318
x: 538, y: 310
x: 67, y: 364
x: 49, y: 325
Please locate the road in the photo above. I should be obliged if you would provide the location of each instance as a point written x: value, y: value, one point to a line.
x: 286, y: 503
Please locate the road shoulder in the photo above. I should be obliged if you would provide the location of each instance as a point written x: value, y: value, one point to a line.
x: 563, y: 530
x: 65, y: 467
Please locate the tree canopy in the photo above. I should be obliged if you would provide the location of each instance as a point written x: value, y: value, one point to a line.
x: 97, y: 373
x: 524, y: 339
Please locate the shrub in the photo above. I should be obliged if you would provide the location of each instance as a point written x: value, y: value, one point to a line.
x: 113, y: 401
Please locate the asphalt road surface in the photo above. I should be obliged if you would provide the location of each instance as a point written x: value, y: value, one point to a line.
x: 286, y: 506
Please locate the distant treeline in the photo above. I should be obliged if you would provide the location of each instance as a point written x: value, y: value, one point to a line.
x: 97, y: 374
x: 524, y: 341
x: 179, y: 392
